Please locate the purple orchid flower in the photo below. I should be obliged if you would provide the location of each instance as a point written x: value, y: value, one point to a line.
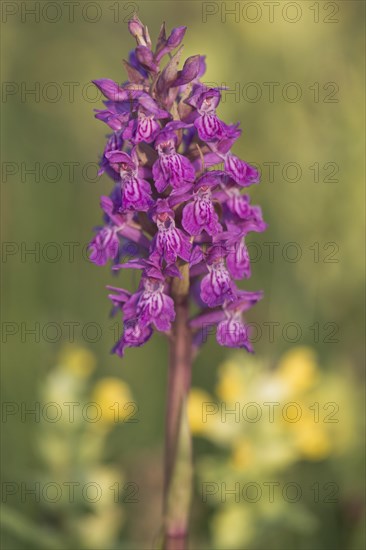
x: 104, y: 246
x: 169, y: 242
x: 209, y: 126
x: 151, y: 306
x: 171, y: 168
x: 217, y: 286
x: 172, y: 214
x: 145, y: 127
x: 136, y: 192
x: 134, y: 335
x: 200, y: 214
x: 231, y: 329
x: 242, y: 173
x: 238, y: 260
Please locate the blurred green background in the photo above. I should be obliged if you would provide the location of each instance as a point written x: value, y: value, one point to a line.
x: 311, y: 52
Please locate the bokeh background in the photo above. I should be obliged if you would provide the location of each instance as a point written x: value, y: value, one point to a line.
x: 310, y: 263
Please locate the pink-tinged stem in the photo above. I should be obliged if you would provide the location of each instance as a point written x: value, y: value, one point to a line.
x: 179, y: 380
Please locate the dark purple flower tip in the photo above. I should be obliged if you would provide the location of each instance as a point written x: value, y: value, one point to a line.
x: 146, y: 58
x: 165, y: 46
x: 139, y: 31
x: 135, y: 26
x: 176, y: 37
x: 189, y: 72
x: 112, y: 91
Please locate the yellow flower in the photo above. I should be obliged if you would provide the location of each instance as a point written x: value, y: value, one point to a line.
x: 196, y: 410
x: 114, y: 399
x: 298, y: 369
x: 231, y: 386
x: 79, y: 361
x: 243, y: 454
x: 311, y: 439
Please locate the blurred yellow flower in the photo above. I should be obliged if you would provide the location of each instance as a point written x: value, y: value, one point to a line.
x: 114, y: 399
x: 311, y: 439
x: 298, y: 369
x: 243, y: 454
x: 233, y: 527
x: 196, y: 407
x: 79, y: 361
x: 231, y: 386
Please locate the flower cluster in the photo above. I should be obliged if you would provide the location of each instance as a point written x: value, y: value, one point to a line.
x: 177, y: 200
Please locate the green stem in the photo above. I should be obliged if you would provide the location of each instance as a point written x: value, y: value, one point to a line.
x: 178, y: 449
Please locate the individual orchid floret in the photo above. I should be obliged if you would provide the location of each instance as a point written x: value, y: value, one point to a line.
x: 237, y: 203
x: 115, y: 117
x: 114, y: 143
x: 169, y: 242
x: 135, y: 191
x: 145, y: 126
x: 209, y: 126
x: 252, y: 222
x: 217, y: 287
x: 171, y: 168
x: 200, y: 215
x: 231, y: 330
x: 104, y: 246
x: 151, y: 305
x: 238, y: 260
x: 134, y: 335
x: 123, y: 221
x: 242, y: 173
